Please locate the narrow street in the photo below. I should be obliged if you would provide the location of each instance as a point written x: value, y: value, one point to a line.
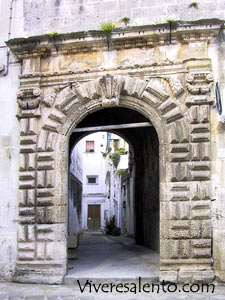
x: 110, y: 258
x: 109, y: 264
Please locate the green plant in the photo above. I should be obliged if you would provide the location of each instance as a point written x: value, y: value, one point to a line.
x: 193, y: 4
x: 170, y: 20
x: 52, y: 34
x: 107, y: 28
x: 120, y: 171
x: 111, y: 227
x: 115, y: 158
x: 125, y: 20
x: 122, y: 151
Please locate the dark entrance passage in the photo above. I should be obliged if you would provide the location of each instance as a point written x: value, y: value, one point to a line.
x: 143, y: 164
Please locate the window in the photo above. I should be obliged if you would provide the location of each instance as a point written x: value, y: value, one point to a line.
x: 92, y: 179
x: 90, y: 146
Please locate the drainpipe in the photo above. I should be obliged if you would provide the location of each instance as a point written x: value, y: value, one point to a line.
x: 5, y: 69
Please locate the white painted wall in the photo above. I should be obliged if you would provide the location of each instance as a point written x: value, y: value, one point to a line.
x: 76, y: 165
x: 9, y: 153
x: 95, y: 164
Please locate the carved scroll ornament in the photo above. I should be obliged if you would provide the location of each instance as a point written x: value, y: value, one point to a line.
x: 111, y: 88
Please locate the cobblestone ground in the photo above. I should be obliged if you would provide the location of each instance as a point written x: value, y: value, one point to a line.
x: 15, y: 291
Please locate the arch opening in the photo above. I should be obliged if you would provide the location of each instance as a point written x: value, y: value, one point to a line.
x: 142, y: 180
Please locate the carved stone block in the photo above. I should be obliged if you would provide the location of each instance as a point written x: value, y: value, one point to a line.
x: 26, y: 233
x: 41, y: 251
x: 41, y: 201
x: 180, y: 229
x: 26, y: 255
x: 180, y: 172
x: 24, y: 219
x: 27, y: 246
x: 28, y: 99
x: 27, y: 148
x: 201, y: 253
x: 200, y: 151
x: 26, y: 211
x: 178, y: 133
x: 41, y: 179
x: 45, y: 192
x: 55, y: 250
x: 42, y: 138
x: 28, y: 139
x: 175, y: 249
x: 27, y: 175
x: 45, y: 232
x: 200, y: 175
x: 41, y: 215
x: 134, y: 87
x: 185, y: 249
x: 199, y: 114
x: 45, y: 156
x: 27, y: 184
x: 200, y: 229
x: 180, y: 211
x: 49, y: 99
x: 50, y: 179
x: 69, y: 96
x: 201, y: 191
x: 111, y: 89
x: 201, y: 243
x: 45, y: 165
x: 201, y: 214
x: 51, y: 142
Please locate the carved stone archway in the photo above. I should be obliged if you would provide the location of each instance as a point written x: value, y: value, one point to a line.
x: 47, y: 120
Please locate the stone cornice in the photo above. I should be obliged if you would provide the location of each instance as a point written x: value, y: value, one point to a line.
x: 121, y: 38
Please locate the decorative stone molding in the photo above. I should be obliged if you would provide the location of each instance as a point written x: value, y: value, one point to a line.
x: 199, y: 86
x: 28, y: 100
x: 50, y: 98
x: 175, y: 84
x: 184, y: 137
x: 111, y: 87
x: 121, y: 38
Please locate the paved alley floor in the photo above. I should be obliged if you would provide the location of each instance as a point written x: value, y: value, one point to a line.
x: 105, y: 257
x: 16, y: 291
x: 107, y: 269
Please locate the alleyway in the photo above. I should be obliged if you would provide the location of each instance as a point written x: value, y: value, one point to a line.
x: 115, y: 261
x: 106, y: 257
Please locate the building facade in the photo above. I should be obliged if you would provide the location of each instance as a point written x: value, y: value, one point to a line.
x: 55, y: 77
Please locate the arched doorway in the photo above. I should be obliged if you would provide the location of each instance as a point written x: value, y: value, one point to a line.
x: 183, y: 172
x: 145, y: 161
x: 142, y: 178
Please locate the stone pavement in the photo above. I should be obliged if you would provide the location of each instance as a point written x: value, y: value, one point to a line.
x: 16, y: 291
x: 105, y: 257
x: 115, y: 262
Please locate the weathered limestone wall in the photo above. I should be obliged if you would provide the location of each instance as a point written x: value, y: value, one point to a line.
x: 69, y: 15
x: 217, y: 54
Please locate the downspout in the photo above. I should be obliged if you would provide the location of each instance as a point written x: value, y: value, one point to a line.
x: 9, y: 34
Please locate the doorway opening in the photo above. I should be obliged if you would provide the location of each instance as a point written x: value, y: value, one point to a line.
x: 138, y: 184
